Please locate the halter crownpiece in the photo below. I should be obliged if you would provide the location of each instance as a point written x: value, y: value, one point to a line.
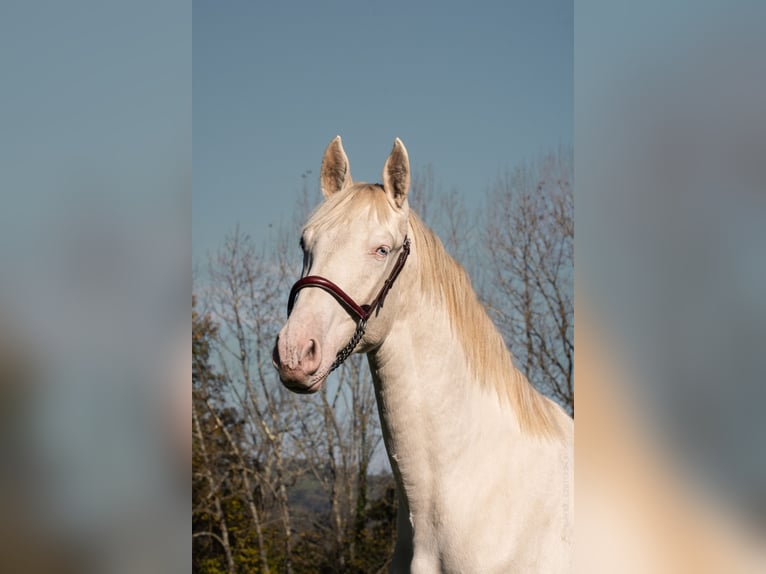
x: 362, y: 312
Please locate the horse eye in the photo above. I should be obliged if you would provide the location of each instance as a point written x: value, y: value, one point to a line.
x: 382, y: 251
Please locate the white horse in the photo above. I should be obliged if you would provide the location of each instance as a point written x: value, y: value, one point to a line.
x: 482, y: 461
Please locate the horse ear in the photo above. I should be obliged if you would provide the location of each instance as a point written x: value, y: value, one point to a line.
x: 396, y: 173
x: 336, y: 172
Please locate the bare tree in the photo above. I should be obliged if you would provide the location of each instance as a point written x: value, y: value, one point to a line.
x: 336, y: 443
x: 530, y: 241
x: 245, y: 303
x: 210, y: 473
x: 214, y: 497
x: 445, y: 212
x: 248, y: 468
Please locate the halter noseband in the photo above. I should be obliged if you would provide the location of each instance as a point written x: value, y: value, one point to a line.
x: 362, y: 312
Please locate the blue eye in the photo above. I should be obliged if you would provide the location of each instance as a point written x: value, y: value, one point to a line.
x: 382, y: 251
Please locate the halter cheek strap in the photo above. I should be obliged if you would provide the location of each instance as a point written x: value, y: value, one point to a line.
x: 361, y: 312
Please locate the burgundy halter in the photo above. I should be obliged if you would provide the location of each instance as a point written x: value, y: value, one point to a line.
x: 362, y: 312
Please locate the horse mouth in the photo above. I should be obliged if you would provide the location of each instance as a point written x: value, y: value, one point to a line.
x: 302, y: 389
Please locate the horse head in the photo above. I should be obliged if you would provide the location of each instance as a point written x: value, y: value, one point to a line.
x: 354, y: 246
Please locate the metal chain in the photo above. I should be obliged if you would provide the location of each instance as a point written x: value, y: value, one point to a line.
x: 349, y: 348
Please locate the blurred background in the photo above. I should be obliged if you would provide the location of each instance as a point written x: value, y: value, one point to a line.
x: 95, y: 260
x: 670, y: 276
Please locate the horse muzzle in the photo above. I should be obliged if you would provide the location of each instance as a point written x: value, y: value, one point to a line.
x: 298, y: 365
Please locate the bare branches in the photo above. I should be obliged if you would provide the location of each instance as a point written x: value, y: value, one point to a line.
x: 530, y: 238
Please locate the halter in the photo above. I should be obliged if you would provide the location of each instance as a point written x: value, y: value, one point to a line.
x: 362, y: 312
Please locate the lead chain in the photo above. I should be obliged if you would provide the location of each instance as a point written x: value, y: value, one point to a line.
x: 349, y: 348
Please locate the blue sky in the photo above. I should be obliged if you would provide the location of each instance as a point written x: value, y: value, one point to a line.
x: 471, y: 89
x: 96, y: 112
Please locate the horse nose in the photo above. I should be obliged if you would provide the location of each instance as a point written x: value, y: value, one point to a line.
x: 310, y: 357
x: 298, y: 362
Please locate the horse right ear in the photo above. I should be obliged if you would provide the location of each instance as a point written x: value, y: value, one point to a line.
x: 336, y: 172
x: 396, y: 173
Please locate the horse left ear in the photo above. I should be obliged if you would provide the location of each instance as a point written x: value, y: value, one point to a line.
x: 396, y: 173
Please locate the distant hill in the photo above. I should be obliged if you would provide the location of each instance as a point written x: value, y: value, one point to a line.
x: 310, y: 503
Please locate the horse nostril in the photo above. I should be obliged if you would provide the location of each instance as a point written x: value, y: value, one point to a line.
x: 311, y: 357
x: 309, y: 350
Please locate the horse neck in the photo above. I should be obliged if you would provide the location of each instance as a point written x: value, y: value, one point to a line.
x: 422, y: 371
x: 433, y: 405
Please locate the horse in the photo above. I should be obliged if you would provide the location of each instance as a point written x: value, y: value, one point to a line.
x: 481, y: 460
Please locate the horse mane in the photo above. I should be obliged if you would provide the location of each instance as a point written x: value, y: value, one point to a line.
x: 444, y: 280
